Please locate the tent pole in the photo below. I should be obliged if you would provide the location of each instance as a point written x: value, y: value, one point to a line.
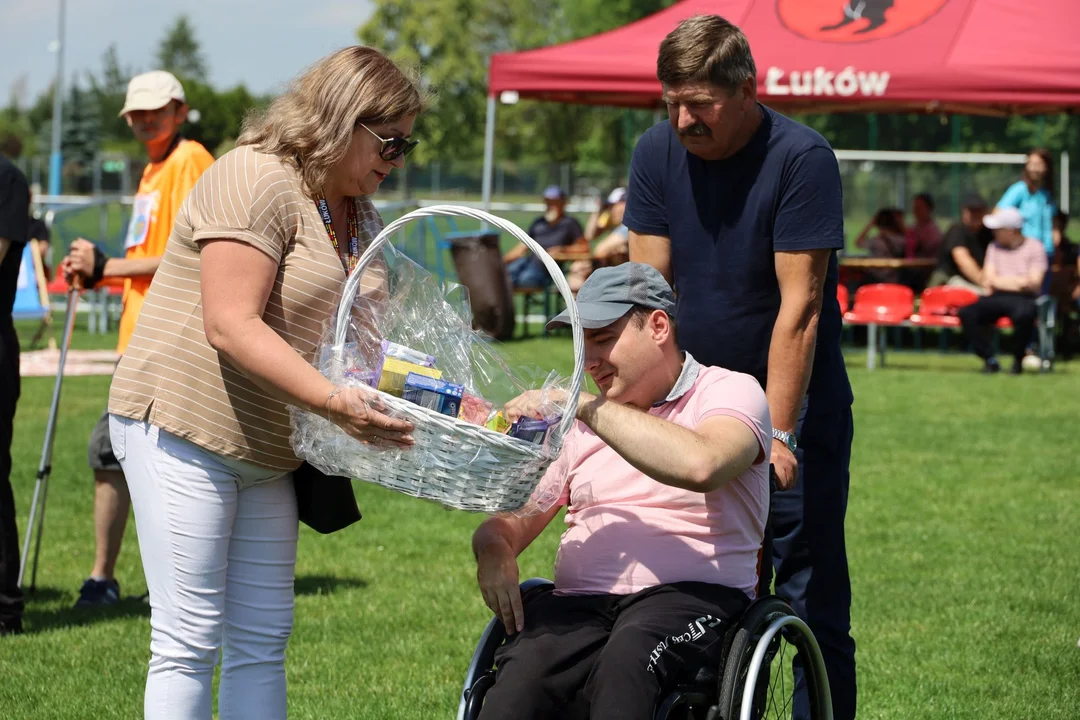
x: 1064, y: 203
x: 954, y: 169
x: 489, y: 152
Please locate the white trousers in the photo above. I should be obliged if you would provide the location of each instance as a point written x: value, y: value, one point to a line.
x: 218, y: 544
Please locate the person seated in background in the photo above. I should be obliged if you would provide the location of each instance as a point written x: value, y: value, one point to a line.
x: 608, y: 236
x: 553, y: 229
x: 665, y: 477
x: 963, y: 249
x: 1065, y: 264
x: 606, y: 226
x: 888, y: 243
x: 1065, y: 285
x: 924, y: 237
x: 1012, y: 275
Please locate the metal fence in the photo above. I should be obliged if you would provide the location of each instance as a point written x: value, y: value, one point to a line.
x: 870, y: 180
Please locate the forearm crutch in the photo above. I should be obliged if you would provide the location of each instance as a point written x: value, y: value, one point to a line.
x: 41, y: 487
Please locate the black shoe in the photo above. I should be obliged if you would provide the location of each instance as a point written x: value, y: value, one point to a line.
x: 1017, y: 367
x: 11, y: 627
x: 98, y: 592
x: 991, y: 366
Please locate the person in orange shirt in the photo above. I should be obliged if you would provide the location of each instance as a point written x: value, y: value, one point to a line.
x: 155, y: 110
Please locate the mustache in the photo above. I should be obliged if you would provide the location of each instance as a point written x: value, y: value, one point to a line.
x: 696, y: 130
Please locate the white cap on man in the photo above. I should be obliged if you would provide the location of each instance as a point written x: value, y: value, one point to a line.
x: 616, y: 196
x: 1004, y: 218
x: 152, y: 91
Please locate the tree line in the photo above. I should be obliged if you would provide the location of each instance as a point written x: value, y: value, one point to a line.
x: 93, y: 99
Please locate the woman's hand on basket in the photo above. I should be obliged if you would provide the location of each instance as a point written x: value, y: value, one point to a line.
x: 497, y: 576
x: 360, y: 413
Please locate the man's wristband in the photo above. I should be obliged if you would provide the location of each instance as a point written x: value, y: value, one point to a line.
x: 100, y: 259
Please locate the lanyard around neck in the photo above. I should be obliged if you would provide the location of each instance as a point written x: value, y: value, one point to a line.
x: 354, y: 234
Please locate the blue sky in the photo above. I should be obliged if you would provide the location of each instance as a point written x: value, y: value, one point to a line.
x: 263, y: 43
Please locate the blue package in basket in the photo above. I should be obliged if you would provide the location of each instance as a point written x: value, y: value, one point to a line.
x: 532, y: 430
x: 438, y: 395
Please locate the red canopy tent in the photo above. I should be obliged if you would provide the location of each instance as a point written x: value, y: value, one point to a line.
x: 970, y: 56
x: 964, y: 56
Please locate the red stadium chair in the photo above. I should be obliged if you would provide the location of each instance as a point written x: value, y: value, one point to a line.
x: 57, y: 286
x: 885, y: 304
x: 938, y: 306
x: 881, y: 304
x: 843, y: 297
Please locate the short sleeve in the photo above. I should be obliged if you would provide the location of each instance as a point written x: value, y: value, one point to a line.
x: 14, y: 207
x: 644, y: 212
x: 810, y: 211
x: 244, y: 196
x: 954, y: 238
x: 1039, y: 259
x: 739, y: 396
x: 575, y: 231
x: 990, y: 261
x: 1012, y: 196
x: 194, y: 164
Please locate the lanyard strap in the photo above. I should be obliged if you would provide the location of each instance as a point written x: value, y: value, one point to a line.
x: 354, y: 234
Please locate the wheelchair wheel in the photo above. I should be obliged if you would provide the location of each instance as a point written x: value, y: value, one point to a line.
x: 757, y: 682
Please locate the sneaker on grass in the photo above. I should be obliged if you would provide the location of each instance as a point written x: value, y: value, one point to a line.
x: 98, y: 592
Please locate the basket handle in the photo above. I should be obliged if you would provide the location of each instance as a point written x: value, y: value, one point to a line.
x: 352, y: 285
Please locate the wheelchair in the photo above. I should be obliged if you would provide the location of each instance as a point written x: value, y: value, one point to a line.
x: 755, y: 670
x: 746, y: 687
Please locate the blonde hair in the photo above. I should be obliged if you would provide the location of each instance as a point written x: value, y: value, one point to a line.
x: 311, y: 125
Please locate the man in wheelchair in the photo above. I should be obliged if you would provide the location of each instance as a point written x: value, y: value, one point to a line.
x: 667, y: 491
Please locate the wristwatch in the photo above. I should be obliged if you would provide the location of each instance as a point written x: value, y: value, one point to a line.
x: 788, y: 438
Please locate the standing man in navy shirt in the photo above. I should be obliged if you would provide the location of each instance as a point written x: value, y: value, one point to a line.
x: 741, y: 210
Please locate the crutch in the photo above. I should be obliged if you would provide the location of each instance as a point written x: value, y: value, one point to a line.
x: 41, y: 487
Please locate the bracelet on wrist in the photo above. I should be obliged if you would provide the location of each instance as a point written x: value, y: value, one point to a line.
x: 329, y: 398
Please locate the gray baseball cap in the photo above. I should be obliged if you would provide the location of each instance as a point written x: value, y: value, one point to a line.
x: 610, y: 292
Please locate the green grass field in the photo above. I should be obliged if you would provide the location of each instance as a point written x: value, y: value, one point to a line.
x: 962, y: 530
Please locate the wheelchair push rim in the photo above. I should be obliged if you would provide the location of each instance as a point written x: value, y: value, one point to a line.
x: 751, y: 676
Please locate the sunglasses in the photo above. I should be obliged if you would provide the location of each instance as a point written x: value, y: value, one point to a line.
x: 392, y: 148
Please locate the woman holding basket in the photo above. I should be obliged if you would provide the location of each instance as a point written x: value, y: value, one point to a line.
x: 199, y: 407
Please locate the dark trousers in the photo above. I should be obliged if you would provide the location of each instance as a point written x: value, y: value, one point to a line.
x: 11, y: 600
x: 810, y: 555
x: 979, y: 317
x: 609, y: 656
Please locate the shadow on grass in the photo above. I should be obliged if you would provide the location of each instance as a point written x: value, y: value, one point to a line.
x: 326, y: 584
x: 51, y: 609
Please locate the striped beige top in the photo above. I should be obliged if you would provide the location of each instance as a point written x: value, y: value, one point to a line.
x: 170, y: 376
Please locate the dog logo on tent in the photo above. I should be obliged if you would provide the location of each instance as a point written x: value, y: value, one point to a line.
x: 849, y: 21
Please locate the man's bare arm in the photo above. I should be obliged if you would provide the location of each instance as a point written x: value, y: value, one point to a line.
x: 700, y: 460
x: 965, y: 263
x: 136, y: 267
x: 801, y: 277
x: 4, y: 245
x: 516, y: 532
x: 654, y: 250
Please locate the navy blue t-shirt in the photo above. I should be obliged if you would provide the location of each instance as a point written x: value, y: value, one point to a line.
x: 726, y: 218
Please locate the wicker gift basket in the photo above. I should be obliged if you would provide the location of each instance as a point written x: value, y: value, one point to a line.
x: 453, y: 462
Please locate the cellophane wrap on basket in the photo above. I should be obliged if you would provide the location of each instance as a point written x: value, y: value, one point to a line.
x: 403, y: 319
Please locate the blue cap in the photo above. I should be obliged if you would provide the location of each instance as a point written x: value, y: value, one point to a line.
x: 554, y: 192
x: 610, y: 292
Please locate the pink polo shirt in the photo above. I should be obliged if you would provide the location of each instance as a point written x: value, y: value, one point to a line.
x: 626, y: 532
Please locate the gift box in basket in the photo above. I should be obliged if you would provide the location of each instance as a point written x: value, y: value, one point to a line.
x: 408, y: 339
